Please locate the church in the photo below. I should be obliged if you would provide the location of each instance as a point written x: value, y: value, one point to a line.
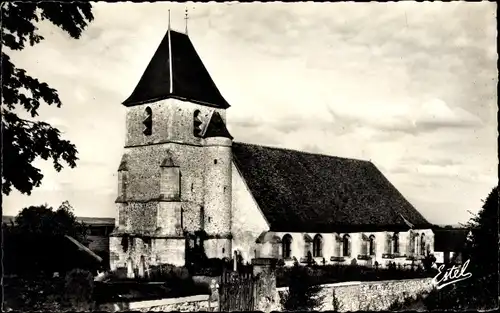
x: 183, y: 181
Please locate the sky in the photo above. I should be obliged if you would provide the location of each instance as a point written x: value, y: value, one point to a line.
x: 410, y: 86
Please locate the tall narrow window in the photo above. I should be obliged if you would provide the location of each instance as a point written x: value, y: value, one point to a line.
x: 395, y: 242
x: 346, y: 249
x: 202, y: 217
x: 148, y: 122
x: 364, y: 245
x: 415, y: 244
x: 318, y: 246
x: 287, y: 246
x: 371, y: 243
x: 388, y: 244
x: 422, y: 244
x: 307, y: 248
x: 338, y: 246
x: 196, y: 123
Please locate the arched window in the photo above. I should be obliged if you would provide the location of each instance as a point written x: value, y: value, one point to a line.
x: 318, y: 246
x: 395, y: 243
x: 338, y: 246
x: 148, y: 122
x: 364, y: 245
x: 422, y: 244
x: 287, y: 246
x: 371, y: 245
x: 414, y: 243
x: 196, y: 123
x: 142, y: 267
x: 346, y: 249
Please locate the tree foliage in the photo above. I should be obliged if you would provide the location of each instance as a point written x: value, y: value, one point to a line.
x: 35, y: 244
x: 480, y: 291
x: 45, y: 221
x: 483, y: 249
x: 25, y: 140
x: 303, y: 291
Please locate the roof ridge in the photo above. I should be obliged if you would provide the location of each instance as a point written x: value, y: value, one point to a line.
x: 302, y: 151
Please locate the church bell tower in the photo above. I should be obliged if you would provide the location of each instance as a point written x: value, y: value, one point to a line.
x: 174, y: 179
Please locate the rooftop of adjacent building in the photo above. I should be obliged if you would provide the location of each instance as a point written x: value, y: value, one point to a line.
x: 449, y: 238
x: 93, y: 221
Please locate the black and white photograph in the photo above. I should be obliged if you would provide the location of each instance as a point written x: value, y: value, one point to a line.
x: 249, y: 156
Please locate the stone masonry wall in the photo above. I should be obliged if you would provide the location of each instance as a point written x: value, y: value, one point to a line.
x: 368, y: 296
x: 187, y: 304
x: 172, y: 121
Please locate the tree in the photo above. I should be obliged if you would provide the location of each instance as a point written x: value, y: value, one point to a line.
x: 36, y: 243
x: 483, y: 249
x: 25, y: 140
x: 44, y: 221
x: 480, y: 291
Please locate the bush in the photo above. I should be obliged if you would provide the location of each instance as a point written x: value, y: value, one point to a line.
x: 79, y: 288
x: 33, y: 294
x: 303, y: 291
x: 429, y: 261
x: 211, y: 267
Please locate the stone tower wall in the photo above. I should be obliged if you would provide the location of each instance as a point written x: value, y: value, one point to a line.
x: 218, y: 197
x: 218, y: 186
x: 172, y: 122
x: 149, y: 207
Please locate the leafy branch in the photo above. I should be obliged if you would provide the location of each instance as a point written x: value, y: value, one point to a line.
x: 23, y: 140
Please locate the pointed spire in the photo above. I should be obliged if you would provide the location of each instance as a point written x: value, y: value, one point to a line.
x: 176, y: 71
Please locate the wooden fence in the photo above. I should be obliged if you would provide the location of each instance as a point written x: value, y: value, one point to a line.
x: 237, y: 291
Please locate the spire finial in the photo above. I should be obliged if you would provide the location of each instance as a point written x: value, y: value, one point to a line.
x: 186, y: 18
x: 168, y: 19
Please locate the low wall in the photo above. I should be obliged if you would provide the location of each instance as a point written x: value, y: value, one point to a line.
x: 368, y: 296
x: 184, y: 304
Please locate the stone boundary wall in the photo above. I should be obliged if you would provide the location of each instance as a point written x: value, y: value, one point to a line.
x: 184, y: 304
x: 367, y: 296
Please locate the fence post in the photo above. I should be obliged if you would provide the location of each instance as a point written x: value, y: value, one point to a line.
x: 266, y: 295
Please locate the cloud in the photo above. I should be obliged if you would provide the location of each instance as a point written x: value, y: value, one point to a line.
x: 390, y: 82
x: 411, y: 118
